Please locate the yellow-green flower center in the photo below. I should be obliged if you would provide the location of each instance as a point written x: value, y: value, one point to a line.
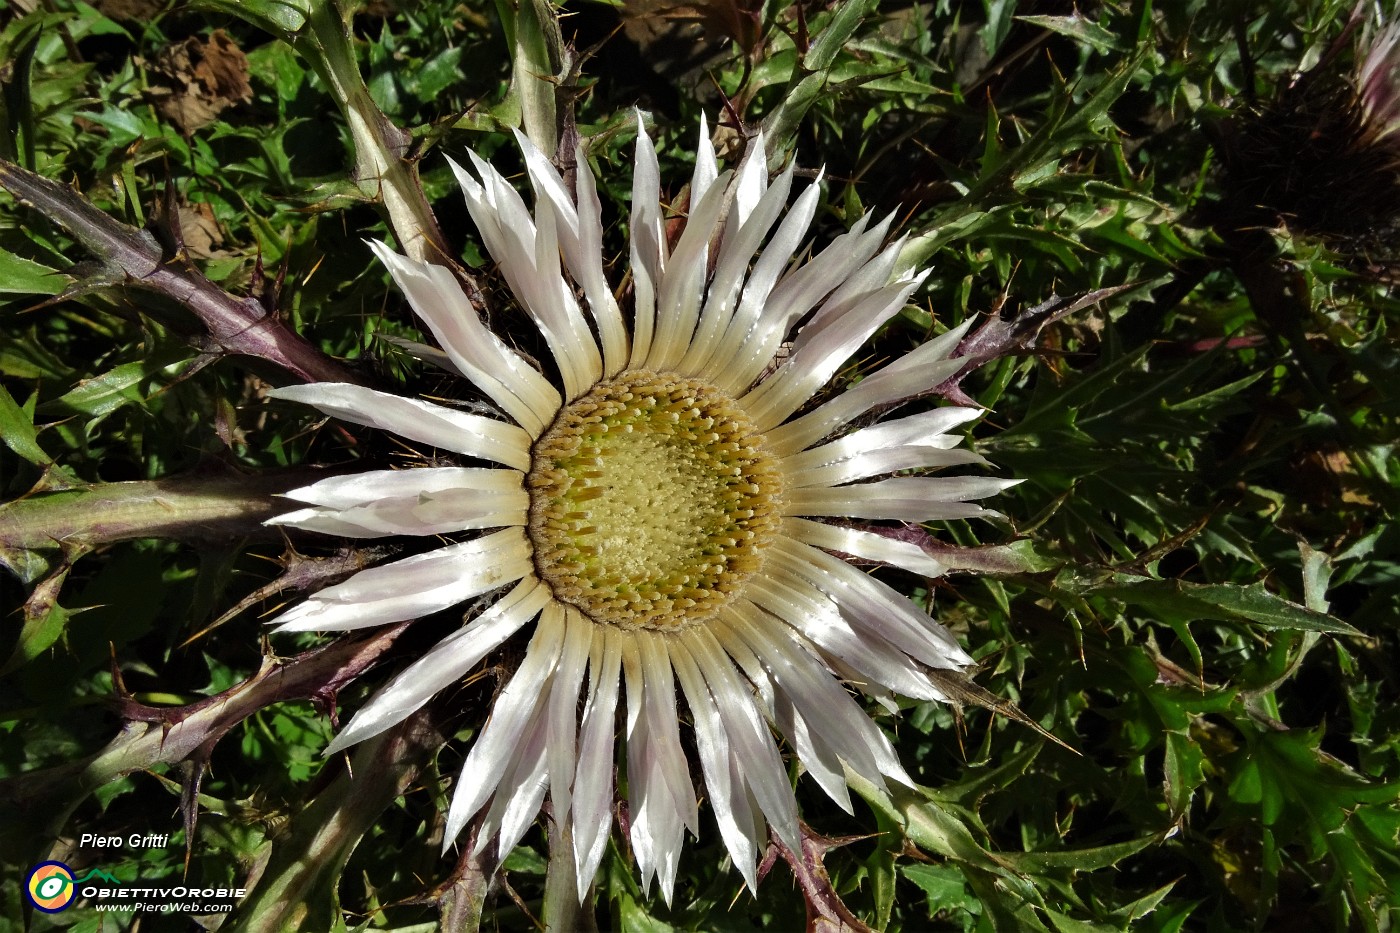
x: 652, y: 499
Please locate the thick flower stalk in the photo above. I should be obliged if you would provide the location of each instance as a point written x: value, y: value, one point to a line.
x: 658, y: 515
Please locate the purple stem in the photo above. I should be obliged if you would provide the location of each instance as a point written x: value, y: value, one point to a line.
x: 235, y: 325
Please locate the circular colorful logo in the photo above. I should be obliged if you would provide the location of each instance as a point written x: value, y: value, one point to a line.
x: 50, y: 886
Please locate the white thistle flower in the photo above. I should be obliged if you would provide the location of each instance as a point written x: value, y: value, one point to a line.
x: 655, y: 517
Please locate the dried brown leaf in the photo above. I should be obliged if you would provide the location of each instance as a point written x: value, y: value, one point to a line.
x: 199, y: 79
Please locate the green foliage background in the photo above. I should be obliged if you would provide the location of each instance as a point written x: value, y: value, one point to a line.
x: 1200, y: 602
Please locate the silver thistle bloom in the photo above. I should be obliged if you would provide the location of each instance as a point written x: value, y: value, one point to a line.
x: 657, y: 517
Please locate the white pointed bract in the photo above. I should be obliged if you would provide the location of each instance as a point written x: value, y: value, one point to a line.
x: 655, y: 515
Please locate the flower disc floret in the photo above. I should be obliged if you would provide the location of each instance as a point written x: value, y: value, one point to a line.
x: 652, y: 501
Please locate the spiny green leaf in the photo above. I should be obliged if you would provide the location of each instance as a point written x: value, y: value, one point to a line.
x: 1225, y: 602
x: 1064, y: 923
x: 1077, y: 27
x: 947, y: 892
x: 20, y: 276
x: 37, y: 635
x: 44, y: 621
x: 1183, y: 772
x: 931, y: 824
x: 1209, y: 400
x: 18, y: 432
x: 635, y: 917
x: 1079, y: 859
x: 284, y: 18
x: 880, y: 868
x: 101, y: 395
x: 1010, y: 904
x: 831, y: 39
